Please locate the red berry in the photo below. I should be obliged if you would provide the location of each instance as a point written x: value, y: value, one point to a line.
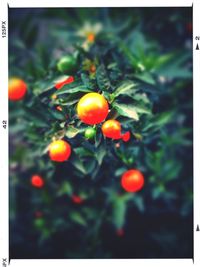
x: 132, y: 180
x: 76, y: 199
x: 37, y: 181
x: 38, y: 214
x: 120, y: 232
x: 59, y: 85
x: 189, y: 26
x: 126, y: 137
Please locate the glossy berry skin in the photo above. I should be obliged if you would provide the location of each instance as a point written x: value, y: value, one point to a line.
x: 67, y: 64
x: 59, y: 151
x: 17, y: 89
x: 69, y: 80
x: 37, y: 181
x: 111, y: 129
x: 92, y: 108
x: 90, y: 133
x: 132, y: 181
x: 126, y: 137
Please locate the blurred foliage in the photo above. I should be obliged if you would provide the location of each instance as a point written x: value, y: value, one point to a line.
x: 143, y: 66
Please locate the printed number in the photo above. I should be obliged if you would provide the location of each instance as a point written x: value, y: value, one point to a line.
x: 4, y: 123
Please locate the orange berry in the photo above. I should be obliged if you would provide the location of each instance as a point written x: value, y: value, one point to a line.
x: 59, y: 150
x: 111, y: 129
x: 92, y: 108
x: 17, y: 89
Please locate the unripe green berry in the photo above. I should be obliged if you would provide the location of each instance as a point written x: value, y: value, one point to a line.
x: 90, y: 133
x: 67, y: 64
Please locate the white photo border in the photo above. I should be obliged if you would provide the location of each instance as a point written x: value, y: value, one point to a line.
x: 4, y: 194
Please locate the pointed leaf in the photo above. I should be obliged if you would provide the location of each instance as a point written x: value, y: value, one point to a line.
x: 101, y: 152
x: 119, y: 212
x: 78, y: 164
x: 145, y: 77
x: 142, y: 110
x: 65, y: 188
x: 127, y: 111
x: 72, y: 88
x: 71, y: 131
x: 125, y: 89
x: 77, y: 218
x: 102, y: 78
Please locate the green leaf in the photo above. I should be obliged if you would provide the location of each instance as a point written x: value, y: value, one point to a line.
x: 128, y: 53
x: 141, y: 98
x: 78, y: 164
x: 90, y: 166
x: 57, y: 114
x: 142, y: 110
x: 36, y: 116
x: 159, y: 120
x: 65, y: 188
x: 139, y: 202
x: 100, y: 154
x: 77, y: 218
x: 127, y: 111
x: 102, y: 78
x: 120, y: 171
x: 126, y: 88
x: 163, y: 118
x: 145, y: 77
x: 86, y: 81
x: 60, y: 79
x: 83, y: 152
x: 70, y: 103
x: 47, y: 87
x: 72, y: 88
x: 174, y: 66
x: 39, y: 223
x: 71, y: 131
x: 158, y: 191
x: 119, y: 212
x: 171, y: 170
x: 163, y: 59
